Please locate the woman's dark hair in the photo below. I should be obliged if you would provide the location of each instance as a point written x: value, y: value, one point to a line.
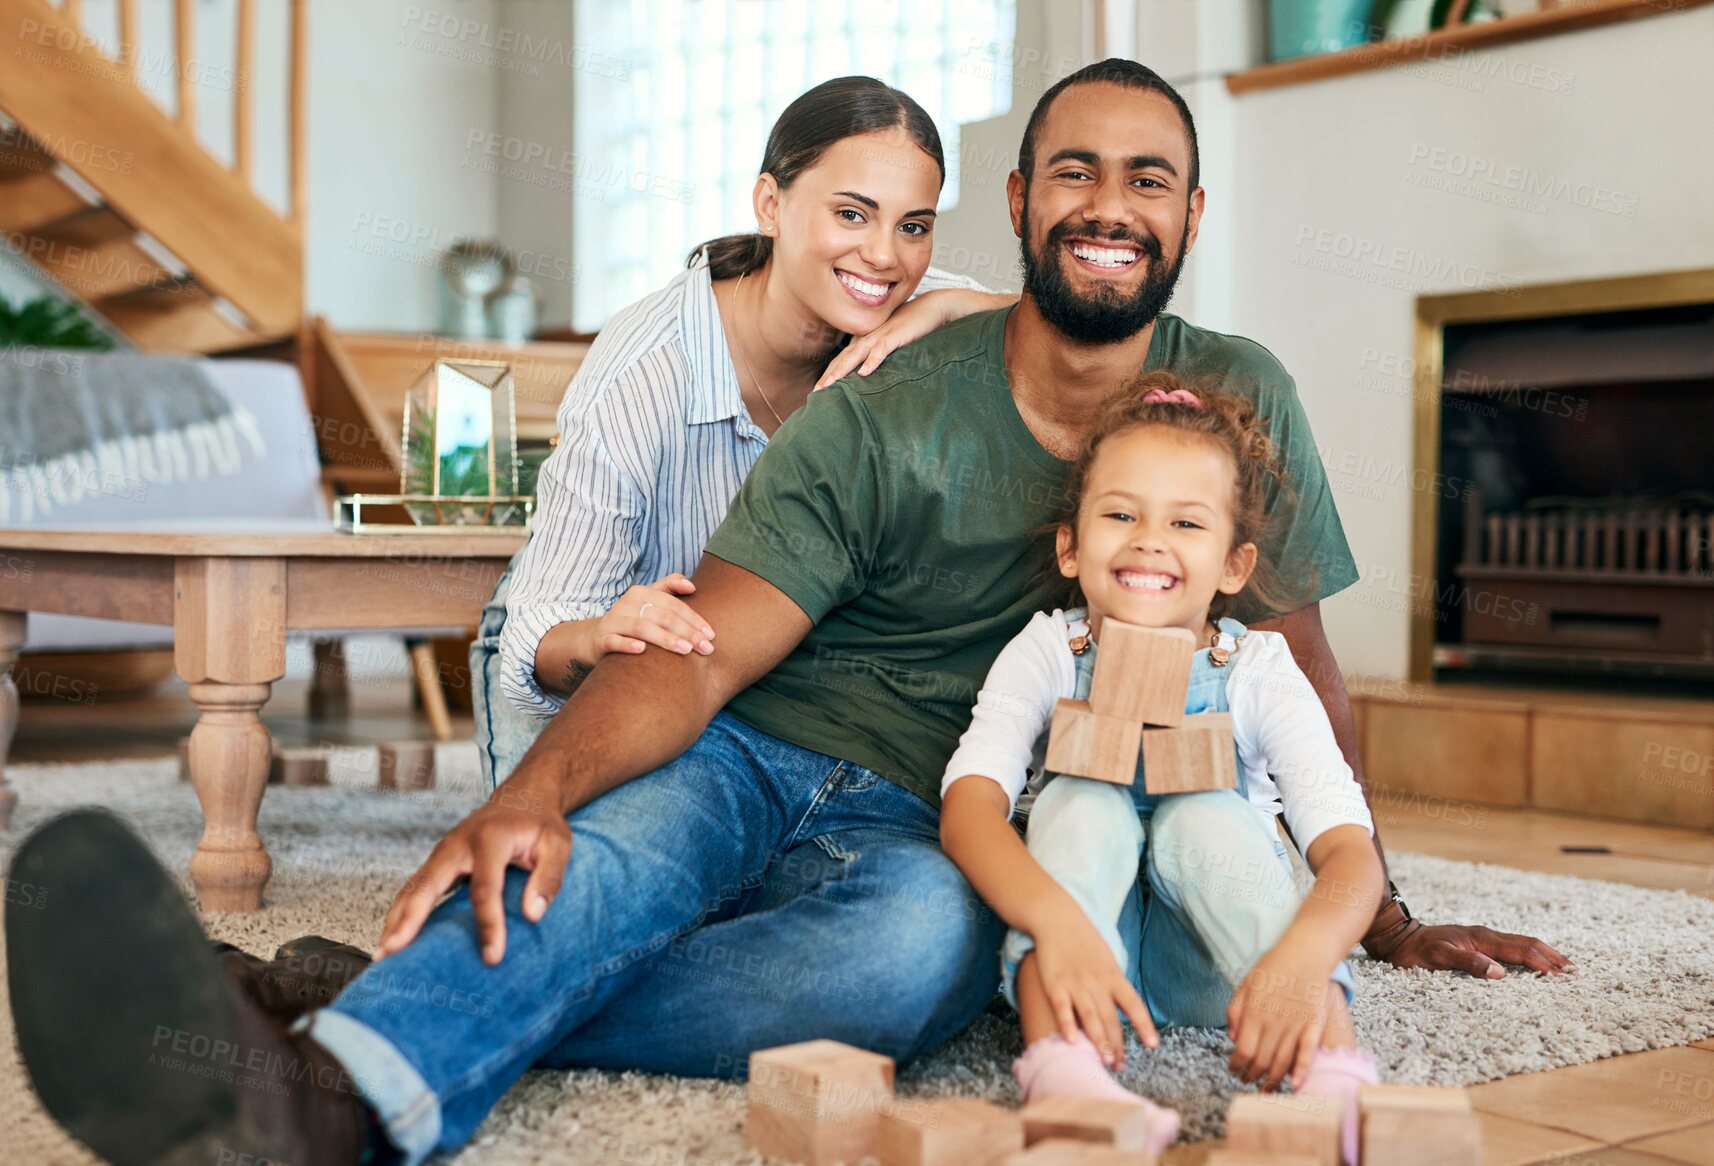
x: 1228, y: 421
x: 829, y: 113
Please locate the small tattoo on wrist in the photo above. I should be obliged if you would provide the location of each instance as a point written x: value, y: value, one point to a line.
x: 576, y: 672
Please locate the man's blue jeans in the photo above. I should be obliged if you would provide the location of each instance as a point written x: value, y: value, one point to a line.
x: 751, y: 893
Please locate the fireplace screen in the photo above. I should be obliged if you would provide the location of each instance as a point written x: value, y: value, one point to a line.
x: 1580, y: 537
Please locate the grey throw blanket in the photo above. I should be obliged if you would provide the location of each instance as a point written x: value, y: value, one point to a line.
x: 74, y: 423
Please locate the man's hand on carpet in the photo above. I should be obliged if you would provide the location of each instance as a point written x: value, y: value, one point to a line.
x: 1453, y: 947
x: 506, y: 831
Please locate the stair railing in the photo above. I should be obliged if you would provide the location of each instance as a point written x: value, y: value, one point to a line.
x: 243, y: 92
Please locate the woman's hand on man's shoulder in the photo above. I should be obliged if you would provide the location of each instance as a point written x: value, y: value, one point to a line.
x: 911, y: 321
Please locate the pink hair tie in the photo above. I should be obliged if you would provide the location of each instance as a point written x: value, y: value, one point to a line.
x: 1172, y: 397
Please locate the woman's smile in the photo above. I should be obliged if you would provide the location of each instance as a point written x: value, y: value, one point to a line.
x: 866, y: 292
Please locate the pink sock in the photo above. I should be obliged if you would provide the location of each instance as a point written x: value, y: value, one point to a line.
x: 1336, y: 1075
x: 1051, y: 1067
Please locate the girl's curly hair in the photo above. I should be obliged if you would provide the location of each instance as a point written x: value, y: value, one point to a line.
x: 1229, y: 421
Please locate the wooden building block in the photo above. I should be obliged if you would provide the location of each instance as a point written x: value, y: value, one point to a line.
x: 817, y: 1102
x: 1273, y: 1125
x: 1223, y: 1157
x: 956, y: 1131
x: 297, y: 767
x: 1142, y: 674
x: 1198, y: 755
x: 1069, y: 1152
x: 1414, y: 1125
x: 1084, y: 1119
x: 407, y: 765
x: 1085, y: 744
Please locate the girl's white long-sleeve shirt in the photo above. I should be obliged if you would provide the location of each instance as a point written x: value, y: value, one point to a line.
x: 1291, y: 762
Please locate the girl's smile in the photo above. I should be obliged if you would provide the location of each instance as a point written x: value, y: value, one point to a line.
x: 1157, y: 582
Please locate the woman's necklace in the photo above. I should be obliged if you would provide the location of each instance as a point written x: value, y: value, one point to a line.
x: 778, y: 420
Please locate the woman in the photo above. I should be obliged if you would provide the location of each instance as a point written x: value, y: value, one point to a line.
x: 681, y: 391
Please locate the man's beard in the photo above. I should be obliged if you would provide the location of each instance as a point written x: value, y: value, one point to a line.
x: 1108, y: 315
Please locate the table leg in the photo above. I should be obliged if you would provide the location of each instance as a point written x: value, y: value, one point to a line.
x: 229, y: 754
x: 229, y: 645
x: 11, y: 639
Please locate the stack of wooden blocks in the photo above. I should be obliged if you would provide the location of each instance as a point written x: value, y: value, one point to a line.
x: 1136, y: 710
x: 1401, y: 1125
x: 823, y: 1103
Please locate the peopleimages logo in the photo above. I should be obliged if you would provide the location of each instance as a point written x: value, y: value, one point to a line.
x: 1390, y: 264
x: 538, y: 50
x: 1524, y: 181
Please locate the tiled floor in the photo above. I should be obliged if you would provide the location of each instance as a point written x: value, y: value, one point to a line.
x: 1646, y: 1109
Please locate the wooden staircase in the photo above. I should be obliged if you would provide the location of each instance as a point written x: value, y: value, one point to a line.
x: 118, y: 202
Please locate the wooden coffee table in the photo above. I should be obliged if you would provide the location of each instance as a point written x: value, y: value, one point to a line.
x: 231, y: 598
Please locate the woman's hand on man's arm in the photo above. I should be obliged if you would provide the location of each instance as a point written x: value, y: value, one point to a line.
x: 648, y: 613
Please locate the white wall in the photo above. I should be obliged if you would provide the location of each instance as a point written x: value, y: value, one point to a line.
x: 396, y: 91
x: 534, y: 120
x: 1615, y: 117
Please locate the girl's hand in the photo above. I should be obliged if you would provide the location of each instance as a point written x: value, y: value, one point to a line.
x: 914, y: 320
x: 652, y: 613
x: 1277, y: 1017
x: 1084, y: 985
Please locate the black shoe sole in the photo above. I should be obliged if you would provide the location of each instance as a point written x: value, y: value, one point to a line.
x: 306, y: 946
x: 125, y: 1019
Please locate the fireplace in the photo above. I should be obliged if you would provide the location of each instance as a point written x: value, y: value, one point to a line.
x: 1573, y: 511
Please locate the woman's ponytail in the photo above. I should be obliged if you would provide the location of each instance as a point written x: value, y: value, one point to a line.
x: 733, y: 255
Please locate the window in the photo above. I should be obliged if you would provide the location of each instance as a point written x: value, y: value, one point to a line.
x: 674, y: 100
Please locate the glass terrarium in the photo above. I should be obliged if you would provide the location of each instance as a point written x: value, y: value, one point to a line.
x: 460, y: 447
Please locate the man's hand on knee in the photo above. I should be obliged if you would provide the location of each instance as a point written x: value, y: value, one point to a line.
x: 515, y: 827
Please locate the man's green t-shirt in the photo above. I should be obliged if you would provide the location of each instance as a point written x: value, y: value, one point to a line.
x: 897, y: 510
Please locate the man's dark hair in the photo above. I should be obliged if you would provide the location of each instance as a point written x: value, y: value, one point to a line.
x: 1115, y: 71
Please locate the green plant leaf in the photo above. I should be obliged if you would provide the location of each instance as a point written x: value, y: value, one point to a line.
x: 48, y: 322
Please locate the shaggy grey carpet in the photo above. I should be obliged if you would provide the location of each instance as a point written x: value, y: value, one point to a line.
x: 1645, y: 978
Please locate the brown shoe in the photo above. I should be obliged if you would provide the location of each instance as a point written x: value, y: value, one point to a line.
x: 306, y: 973
x: 134, y: 1035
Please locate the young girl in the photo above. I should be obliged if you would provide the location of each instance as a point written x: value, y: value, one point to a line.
x: 1176, y: 909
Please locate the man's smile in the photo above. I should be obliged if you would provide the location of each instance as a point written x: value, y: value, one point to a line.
x: 1103, y: 256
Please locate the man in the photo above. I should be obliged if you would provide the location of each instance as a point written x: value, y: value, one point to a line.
x: 702, y: 856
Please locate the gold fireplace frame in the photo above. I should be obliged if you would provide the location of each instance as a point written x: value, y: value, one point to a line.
x: 1661, y: 289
